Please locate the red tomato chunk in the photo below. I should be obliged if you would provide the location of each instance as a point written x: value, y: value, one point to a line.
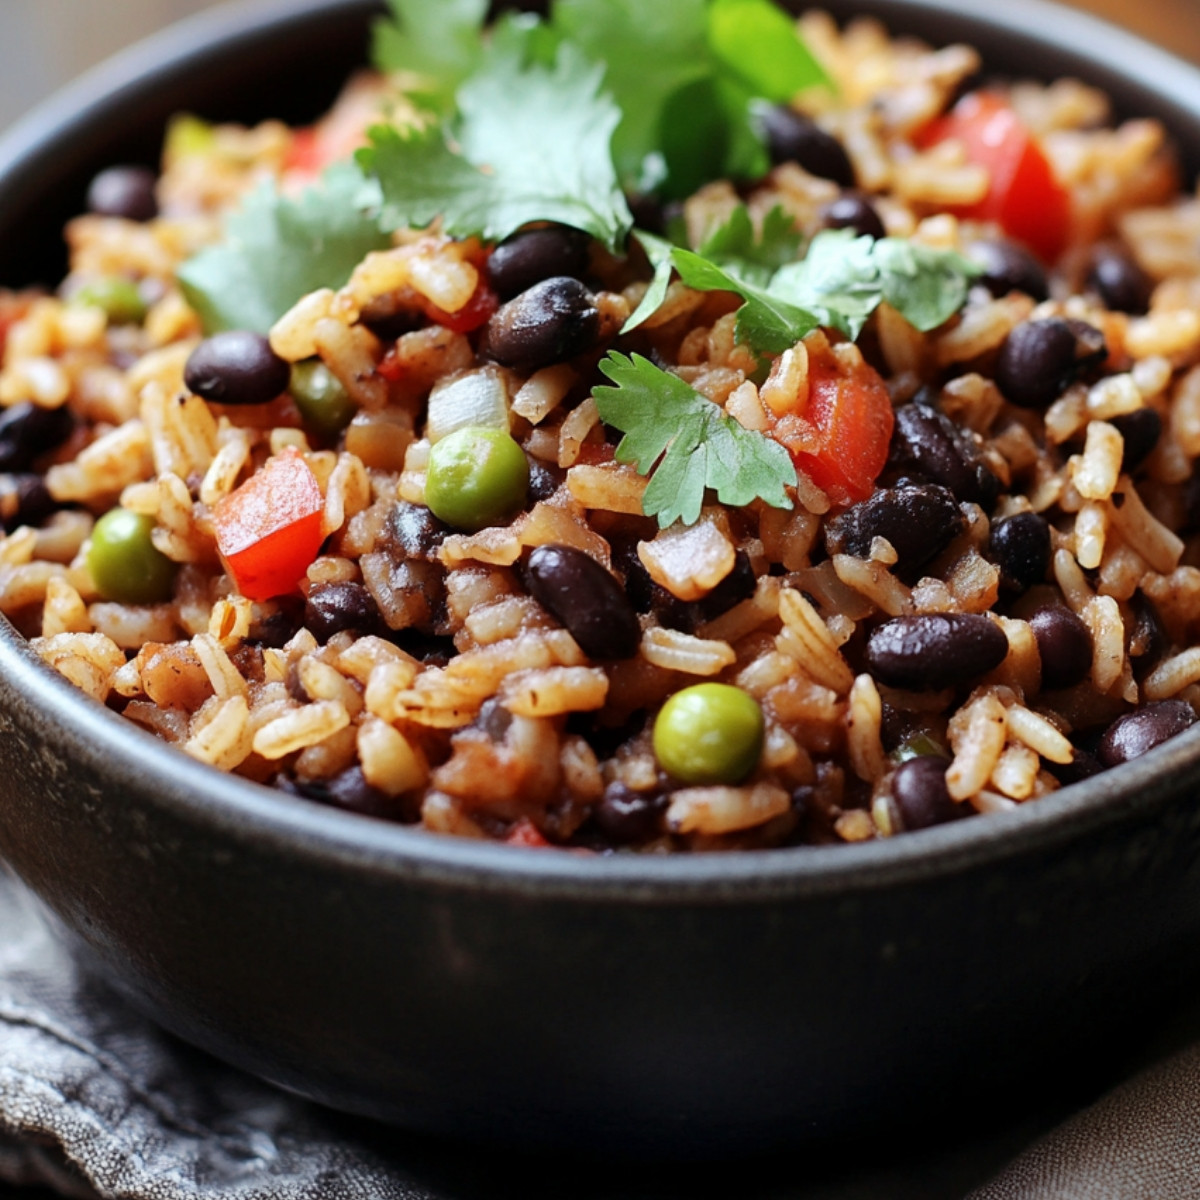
x: 269, y: 529
x: 1024, y: 198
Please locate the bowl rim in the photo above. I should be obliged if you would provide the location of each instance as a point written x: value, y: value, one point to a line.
x: 252, y: 814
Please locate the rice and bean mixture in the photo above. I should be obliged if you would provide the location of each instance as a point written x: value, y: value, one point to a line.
x: 386, y: 554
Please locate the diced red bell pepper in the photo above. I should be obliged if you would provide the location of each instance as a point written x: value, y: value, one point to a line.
x: 1024, y: 198
x: 269, y: 529
x: 841, y: 437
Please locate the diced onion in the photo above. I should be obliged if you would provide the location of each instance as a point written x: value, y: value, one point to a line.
x: 476, y: 398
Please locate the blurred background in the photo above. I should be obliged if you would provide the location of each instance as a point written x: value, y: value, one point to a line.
x: 43, y: 43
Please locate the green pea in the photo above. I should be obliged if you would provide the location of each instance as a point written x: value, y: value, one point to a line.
x: 124, y: 563
x: 323, y: 402
x: 710, y: 733
x: 476, y: 477
x: 117, y: 296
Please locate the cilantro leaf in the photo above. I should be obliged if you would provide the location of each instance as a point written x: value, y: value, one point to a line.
x: 843, y: 278
x: 759, y: 44
x: 534, y: 147
x: 685, y: 443
x: 767, y: 322
x: 278, y: 249
x: 658, y: 251
x: 734, y: 244
x: 839, y: 283
x: 439, y: 43
x: 650, y: 52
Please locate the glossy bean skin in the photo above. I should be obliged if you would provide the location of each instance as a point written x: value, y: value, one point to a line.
x: 629, y: 817
x: 793, y: 137
x: 414, y: 532
x: 24, y: 500
x: 936, y: 650
x: 927, y: 441
x: 1020, y: 546
x: 919, y: 519
x: 236, y: 367
x: 1140, y: 431
x: 578, y: 592
x: 336, y: 607
x: 126, y: 192
x: 27, y: 430
x: 1040, y: 359
x: 1134, y: 734
x: 530, y: 256
x: 1146, y: 638
x: 853, y: 211
x: 920, y: 793
x: 1064, y: 643
x: 553, y: 321
x: 1009, y: 267
x: 350, y: 792
x: 1119, y: 281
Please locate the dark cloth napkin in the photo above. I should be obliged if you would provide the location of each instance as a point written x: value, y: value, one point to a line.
x: 94, y: 1100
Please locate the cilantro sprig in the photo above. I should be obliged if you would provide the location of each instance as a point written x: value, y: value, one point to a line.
x: 529, y: 143
x: 841, y: 280
x: 277, y: 249
x: 685, y: 443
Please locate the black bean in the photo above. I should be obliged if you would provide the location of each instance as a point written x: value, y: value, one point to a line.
x: 586, y: 599
x: 1132, y: 735
x: 279, y: 624
x: 853, y: 211
x: 920, y: 792
x: 552, y: 321
x: 1147, y: 639
x: 24, y: 500
x: 531, y: 255
x: 629, y: 817
x: 1119, y: 281
x: 929, y: 442
x: 1140, y: 430
x: 414, y: 532
x: 124, y: 192
x: 1082, y: 766
x: 935, y: 650
x: 1020, y: 546
x: 1009, y: 267
x: 1064, y: 644
x: 391, y: 315
x: 793, y: 137
x: 1040, y: 359
x: 335, y: 607
x: 920, y: 521
x: 737, y: 586
x: 544, y: 480
x: 27, y: 430
x: 236, y: 367
x: 349, y: 791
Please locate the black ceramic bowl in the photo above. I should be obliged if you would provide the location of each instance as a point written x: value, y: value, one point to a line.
x: 699, y: 1004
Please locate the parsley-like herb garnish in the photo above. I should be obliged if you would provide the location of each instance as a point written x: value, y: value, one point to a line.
x: 687, y: 444
x: 530, y: 143
x: 278, y: 249
x: 685, y: 75
x: 839, y: 283
x: 439, y: 44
